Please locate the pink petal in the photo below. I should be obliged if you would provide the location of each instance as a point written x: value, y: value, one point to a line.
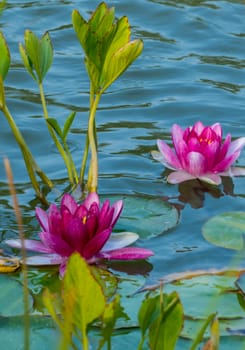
x: 213, y: 179
x: 42, y: 217
x: 105, y: 216
x: 226, y: 163
x: 69, y: 202
x: 179, y: 176
x: 90, y: 199
x: 223, y: 149
x: 180, y: 145
x: 45, y: 259
x: 62, y: 268
x: 233, y: 171
x: 96, y: 244
x: 217, y: 129
x: 210, y: 152
x: 54, y: 220
x: 129, y: 253
x: 120, y: 240
x: 169, y: 158
x: 76, y: 234
x: 198, y: 128
x: 195, y: 163
x: 236, y: 146
x: 56, y: 244
x: 30, y: 244
x: 118, y: 207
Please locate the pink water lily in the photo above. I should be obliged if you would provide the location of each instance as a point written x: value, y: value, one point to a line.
x: 84, y: 228
x: 199, y: 153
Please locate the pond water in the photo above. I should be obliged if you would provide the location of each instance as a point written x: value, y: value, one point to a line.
x: 192, y: 68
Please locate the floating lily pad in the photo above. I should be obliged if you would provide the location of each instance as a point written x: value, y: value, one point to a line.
x: 146, y: 215
x: 204, y: 295
x: 226, y: 230
x: 43, y: 333
x: 11, y: 297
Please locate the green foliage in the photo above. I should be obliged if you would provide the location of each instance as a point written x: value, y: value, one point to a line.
x: 83, y: 300
x: 226, y: 230
x: 37, y: 55
x: 200, y: 335
x: 4, y: 57
x: 161, y: 317
x: 4, y: 67
x: 107, y: 46
x: 66, y: 128
x: 113, y: 311
x: 2, y: 5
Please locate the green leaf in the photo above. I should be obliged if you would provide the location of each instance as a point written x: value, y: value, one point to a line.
x: 226, y: 230
x: 55, y: 125
x: 37, y: 55
x: 68, y: 124
x: 200, y: 334
x: 2, y: 93
x: 26, y: 61
x: 165, y: 330
x: 113, y: 311
x: 107, y: 46
x: 46, y: 54
x: 149, y: 310
x: 83, y: 292
x: 4, y: 57
x: 116, y: 64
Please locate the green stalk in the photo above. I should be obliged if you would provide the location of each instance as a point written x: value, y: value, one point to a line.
x: 66, y: 156
x: 86, y: 150
x: 23, y: 253
x: 31, y: 165
x: 85, y: 339
x: 93, y: 168
x: 142, y: 340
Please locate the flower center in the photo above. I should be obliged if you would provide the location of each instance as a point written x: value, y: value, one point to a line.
x: 203, y: 140
x: 84, y: 220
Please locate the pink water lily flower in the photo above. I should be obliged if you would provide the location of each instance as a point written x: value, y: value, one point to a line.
x: 84, y: 228
x: 199, y: 153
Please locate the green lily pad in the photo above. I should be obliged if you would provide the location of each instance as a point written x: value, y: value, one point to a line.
x: 207, y: 294
x: 146, y: 215
x: 11, y: 297
x: 43, y: 334
x: 226, y: 230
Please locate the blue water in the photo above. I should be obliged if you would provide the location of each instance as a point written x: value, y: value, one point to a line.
x: 192, y: 68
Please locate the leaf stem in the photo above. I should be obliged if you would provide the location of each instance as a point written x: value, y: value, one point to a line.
x: 65, y: 155
x: 93, y: 168
x: 31, y: 165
